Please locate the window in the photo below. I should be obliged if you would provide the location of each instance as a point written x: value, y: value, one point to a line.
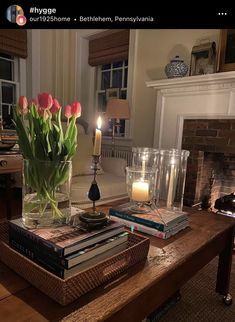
x: 112, y: 75
x: 9, y: 88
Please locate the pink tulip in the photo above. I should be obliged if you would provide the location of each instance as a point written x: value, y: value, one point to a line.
x: 68, y: 111
x: 33, y: 101
x: 22, y: 105
x: 76, y: 109
x: 44, y: 113
x: 55, y: 107
x: 45, y: 100
x: 40, y: 111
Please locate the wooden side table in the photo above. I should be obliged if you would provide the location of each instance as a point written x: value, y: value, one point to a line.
x: 10, y: 162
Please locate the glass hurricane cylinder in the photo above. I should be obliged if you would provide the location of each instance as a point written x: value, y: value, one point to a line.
x: 145, y: 157
x: 46, y: 193
x: 172, y: 174
x: 140, y: 187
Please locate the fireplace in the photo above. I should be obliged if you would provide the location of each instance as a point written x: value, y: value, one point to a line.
x: 197, y: 113
x: 211, y: 165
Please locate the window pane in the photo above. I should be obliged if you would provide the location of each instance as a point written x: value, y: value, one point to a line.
x: 122, y: 127
x: 101, y: 102
x: 7, y: 117
x: 8, y: 97
x: 5, y: 69
x: 117, y: 74
x: 123, y: 94
x: 105, y: 80
x: 108, y: 128
x: 107, y: 66
x: 125, y: 77
x: 117, y: 64
x: 117, y: 78
x: 8, y: 91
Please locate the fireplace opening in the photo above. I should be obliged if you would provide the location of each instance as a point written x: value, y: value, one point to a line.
x: 211, y: 164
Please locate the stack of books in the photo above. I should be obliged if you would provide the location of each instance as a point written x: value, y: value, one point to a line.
x: 67, y: 250
x: 161, y: 223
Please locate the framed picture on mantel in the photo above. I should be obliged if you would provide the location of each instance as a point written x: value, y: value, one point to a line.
x: 226, y: 59
x: 203, y: 59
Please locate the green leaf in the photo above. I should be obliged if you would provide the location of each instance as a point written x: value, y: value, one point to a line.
x: 23, y: 139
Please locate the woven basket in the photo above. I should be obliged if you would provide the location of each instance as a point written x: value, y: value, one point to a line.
x: 68, y: 290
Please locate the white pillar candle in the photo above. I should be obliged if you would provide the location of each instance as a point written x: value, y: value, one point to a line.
x: 140, y: 191
x: 98, y: 137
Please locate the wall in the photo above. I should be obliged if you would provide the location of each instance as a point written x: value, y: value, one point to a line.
x: 51, y: 63
x: 58, y: 64
x: 47, y: 61
x: 155, y: 48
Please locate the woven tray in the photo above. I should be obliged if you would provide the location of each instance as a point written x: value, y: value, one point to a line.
x: 68, y: 290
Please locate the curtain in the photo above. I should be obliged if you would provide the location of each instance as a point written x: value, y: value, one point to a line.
x: 13, y: 42
x: 109, y: 48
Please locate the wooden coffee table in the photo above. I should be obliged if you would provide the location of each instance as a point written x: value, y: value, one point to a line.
x: 134, y: 295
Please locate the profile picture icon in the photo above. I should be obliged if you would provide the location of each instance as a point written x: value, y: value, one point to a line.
x: 21, y: 20
x: 15, y: 14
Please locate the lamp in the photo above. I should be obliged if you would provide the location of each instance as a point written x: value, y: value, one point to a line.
x: 117, y: 109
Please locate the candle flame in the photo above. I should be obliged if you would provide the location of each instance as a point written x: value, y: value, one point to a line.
x: 99, y: 122
x: 144, y: 157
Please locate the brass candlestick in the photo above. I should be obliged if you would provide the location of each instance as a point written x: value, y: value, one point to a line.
x: 94, y: 219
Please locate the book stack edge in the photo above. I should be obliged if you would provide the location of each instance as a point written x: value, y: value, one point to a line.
x: 65, y: 291
x: 66, y: 250
x: 161, y: 223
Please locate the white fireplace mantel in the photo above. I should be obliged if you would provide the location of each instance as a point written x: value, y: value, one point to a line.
x: 192, y: 97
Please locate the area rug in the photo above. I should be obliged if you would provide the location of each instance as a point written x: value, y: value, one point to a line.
x: 200, y: 302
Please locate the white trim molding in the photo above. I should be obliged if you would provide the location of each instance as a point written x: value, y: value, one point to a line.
x: 208, y: 79
x: 22, y: 75
x: 193, y: 97
x: 133, y: 43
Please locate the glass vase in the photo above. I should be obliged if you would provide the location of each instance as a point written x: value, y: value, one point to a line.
x: 171, y: 183
x: 46, y: 193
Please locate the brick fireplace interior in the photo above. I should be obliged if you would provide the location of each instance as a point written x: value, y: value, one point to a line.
x: 211, y: 164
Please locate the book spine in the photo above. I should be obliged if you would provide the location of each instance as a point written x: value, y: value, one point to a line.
x: 35, y: 250
x: 96, y: 250
x: 143, y: 229
x: 54, y: 269
x: 35, y: 240
x: 124, y: 215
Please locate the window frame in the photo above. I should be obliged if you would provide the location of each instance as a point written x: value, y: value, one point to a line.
x: 15, y: 81
x: 122, y: 89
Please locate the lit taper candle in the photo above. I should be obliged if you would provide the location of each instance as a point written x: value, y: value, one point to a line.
x: 98, y: 137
